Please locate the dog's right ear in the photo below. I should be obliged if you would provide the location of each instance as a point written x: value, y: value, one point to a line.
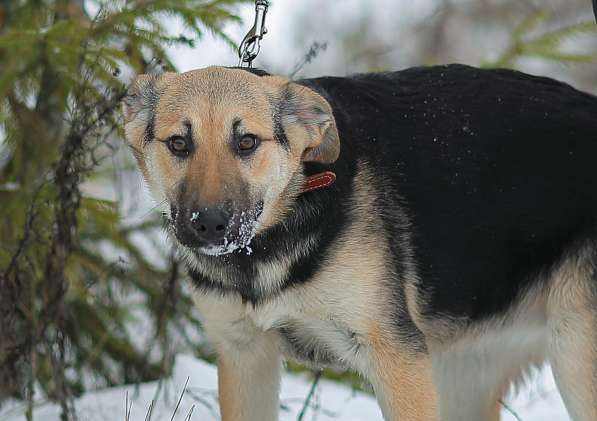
x: 141, y: 99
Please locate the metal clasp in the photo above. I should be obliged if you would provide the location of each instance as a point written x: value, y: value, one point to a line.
x: 249, y: 47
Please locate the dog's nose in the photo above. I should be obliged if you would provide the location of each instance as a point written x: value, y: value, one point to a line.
x: 209, y: 224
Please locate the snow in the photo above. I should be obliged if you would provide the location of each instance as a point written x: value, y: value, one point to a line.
x: 540, y: 401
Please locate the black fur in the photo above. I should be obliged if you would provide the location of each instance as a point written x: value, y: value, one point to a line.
x: 279, y: 133
x: 494, y: 170
x: 149, y: 133
x: 258, y: 72
x: 149, y: 99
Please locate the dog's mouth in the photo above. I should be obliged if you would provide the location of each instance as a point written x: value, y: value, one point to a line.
x: 239, y: 233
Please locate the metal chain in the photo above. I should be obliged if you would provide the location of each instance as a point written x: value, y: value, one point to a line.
x: 250, y: 45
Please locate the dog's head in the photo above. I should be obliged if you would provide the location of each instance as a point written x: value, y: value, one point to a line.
x: 222, y: 150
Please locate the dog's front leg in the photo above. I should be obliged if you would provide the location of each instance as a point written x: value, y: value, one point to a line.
x: 249, y: 380
x: 249, y: 362
x: 402, y: 380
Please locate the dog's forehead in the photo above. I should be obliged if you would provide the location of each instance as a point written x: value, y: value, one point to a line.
x: 211, y: 99
x: 217, y: 86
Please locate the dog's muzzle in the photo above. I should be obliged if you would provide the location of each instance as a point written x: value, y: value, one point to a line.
x: 203, y: 227
x: 215, y: 231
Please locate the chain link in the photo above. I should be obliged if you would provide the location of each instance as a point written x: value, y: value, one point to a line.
x: 250, y: 45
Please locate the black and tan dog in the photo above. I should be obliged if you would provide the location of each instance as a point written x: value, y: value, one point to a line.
x: 456, y: 248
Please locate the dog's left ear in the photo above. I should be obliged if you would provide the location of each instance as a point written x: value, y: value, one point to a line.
x: 303, y: 106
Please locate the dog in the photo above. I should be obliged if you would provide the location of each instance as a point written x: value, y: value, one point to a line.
x: 433, y: 229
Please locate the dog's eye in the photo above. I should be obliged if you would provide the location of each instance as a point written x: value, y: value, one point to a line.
x: 178, y: 146
x: 248, y: 143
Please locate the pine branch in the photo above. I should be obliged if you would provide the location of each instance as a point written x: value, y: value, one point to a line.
x: 547, y: 46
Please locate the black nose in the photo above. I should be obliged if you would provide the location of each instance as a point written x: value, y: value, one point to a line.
x: 200, y: 226
x: 209, y: 224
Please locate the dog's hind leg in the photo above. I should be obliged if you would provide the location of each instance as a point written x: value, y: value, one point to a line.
x: 572, y: 310
x: 472, y: 373
x: 466, y: 391
x: 471, y: 383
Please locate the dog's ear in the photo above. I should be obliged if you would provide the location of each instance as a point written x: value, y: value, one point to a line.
x: 302, y: 106
x: 141, y: 99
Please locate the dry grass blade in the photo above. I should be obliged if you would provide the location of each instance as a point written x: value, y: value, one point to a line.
x: 307, y: 402
x: 204, y: 402
x: 127, y: 407
x: 510, y: 410
x: 149, y: 411
x: 190, y: 414
x: 184, y: 389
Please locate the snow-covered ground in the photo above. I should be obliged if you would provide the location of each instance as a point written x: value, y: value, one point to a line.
x: 331, y: 401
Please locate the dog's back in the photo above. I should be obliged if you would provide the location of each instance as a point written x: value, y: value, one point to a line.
x: 497, y: 171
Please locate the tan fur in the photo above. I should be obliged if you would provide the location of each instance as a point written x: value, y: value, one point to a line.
x: 230, y: 409
x: 573, y: 335
x: 262, y: 164
x: 403, y: 381
x: 495, y: 410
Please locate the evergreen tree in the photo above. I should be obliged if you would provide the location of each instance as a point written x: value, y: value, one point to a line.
x: 62, y: 313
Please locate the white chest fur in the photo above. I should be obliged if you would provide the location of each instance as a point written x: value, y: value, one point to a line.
x: 313, y: 329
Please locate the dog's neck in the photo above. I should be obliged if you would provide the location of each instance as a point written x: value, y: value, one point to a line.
x: 280, y: 256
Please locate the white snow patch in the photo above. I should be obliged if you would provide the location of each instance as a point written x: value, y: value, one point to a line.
x: 248, y: 223
x: 336, y: 401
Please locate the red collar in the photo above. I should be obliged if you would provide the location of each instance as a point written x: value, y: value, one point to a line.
x: 319, y: 181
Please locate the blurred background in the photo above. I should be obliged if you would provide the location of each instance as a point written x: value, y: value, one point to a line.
x: 546, y: 37
x: 91, y: 293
